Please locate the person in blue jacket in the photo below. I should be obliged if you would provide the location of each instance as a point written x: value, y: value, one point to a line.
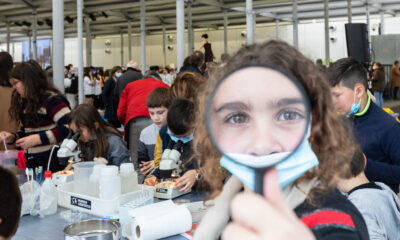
x: 376, y: 131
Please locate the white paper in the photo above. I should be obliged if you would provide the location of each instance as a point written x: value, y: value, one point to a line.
x: 159, y: 220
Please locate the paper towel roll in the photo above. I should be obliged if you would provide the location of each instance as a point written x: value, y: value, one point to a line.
x: 160, y: 220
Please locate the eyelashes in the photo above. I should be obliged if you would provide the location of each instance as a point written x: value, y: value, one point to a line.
x: 284, y: 116
x: 289, y: 115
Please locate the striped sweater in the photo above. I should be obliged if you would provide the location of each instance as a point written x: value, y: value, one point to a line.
x: 50, y: 123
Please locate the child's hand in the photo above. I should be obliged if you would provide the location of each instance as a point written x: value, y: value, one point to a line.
x: 265, y: 217
x: 100, y: 160
x: 150, y: 181
x: 9, y: 137
x: 187, y: 181
x: 146, y: 167
x: 29, y: 141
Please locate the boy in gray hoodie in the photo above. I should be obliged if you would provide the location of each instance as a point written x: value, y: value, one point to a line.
x: 377, y: 203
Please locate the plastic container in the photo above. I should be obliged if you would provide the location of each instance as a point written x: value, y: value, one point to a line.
x: 103, y: 208
x: 48, y: 196
x: 82, y: 172
x: 94, y: 180
x: 8, y: 159
x: 129, y: 178
x: 110, y: 183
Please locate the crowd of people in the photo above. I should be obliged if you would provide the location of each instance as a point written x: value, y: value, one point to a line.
x: 351, y: 152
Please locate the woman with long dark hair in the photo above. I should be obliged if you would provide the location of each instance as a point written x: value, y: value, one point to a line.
x: 42, y: 112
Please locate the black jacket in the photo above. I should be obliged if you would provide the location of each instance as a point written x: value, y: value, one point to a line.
x: 108, y: 99
x: 73, y: 89
x: 190, y: 68
x: 129, y: 76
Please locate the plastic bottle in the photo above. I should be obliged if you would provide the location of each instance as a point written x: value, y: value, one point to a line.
x: 109, y: 183
x: 94, y: 180
x: 48, y: 196
x: 129, y: 178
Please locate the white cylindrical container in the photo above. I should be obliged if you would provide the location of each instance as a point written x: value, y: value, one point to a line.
x: 48, y: 196
x: 129, y: 178
x: 94, y: 180
x: 109, y: 183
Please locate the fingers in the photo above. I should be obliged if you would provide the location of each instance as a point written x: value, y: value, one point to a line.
x: 235, y: 231
x: 273, y: 192
x: 246, y: 209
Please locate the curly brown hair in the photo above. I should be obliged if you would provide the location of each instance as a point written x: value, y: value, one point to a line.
x: 187, y: 85
x: 329, y: 140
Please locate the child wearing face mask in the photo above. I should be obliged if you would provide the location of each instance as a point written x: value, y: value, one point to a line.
x: 179, y: 130
x: 98, y: 140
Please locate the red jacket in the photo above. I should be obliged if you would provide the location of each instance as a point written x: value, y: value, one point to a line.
x: 132, y: 103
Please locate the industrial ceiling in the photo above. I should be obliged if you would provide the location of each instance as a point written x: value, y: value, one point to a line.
x: 109, y: 17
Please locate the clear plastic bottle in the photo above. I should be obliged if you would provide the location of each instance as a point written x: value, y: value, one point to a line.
x: 129, y: 178
x: 109, y: 183
x: 48, y: 196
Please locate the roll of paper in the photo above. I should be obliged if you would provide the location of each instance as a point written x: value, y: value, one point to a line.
x: 160, y: 220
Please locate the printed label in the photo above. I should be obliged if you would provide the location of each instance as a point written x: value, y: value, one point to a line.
x: 83, y: 203
x: 162, y: 190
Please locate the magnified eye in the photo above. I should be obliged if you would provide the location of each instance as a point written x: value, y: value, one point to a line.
x: 237, y: 118
x: 289, y: 115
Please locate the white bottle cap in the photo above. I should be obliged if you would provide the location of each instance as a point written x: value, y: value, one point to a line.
x: 109, y: 171
x: 97, y: 168
x: 126, y: 167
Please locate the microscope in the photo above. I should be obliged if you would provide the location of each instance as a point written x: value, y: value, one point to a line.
x: 67, y: 150
x: 65, y: 153
x: 169, y: 170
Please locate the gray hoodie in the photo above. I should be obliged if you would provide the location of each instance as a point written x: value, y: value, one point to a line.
x: 380, y: 209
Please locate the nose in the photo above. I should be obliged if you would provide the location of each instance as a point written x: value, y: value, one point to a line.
x: 264, y: 140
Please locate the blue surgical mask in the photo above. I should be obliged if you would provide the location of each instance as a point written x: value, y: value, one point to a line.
x: 184, y: 139
x: 355, y: 106
x: 118, y: 75
x: 302, y: 160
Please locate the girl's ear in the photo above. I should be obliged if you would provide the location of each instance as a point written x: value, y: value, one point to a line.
x: 96, y: 125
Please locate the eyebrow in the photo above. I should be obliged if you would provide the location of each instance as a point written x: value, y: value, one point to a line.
x: 287, y: 101
x: 233, y: 106
x: 245, y: 107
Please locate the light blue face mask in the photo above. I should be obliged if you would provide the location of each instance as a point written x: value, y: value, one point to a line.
x: 184, y: 139
x: 118, y: 75
x: 355, y: 106
x: 302, y: 160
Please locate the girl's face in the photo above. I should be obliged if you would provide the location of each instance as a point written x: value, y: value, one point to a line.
x: 258, y: 111
x: 84, y: 132
x: 18, y: 86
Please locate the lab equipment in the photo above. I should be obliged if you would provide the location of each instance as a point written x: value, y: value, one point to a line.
x: 129, y: 178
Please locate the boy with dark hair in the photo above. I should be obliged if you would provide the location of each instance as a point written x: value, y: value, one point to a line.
x: 377, y: 203
x: 376, y: 131
x: 180, y: 128
x: 158, y: 102
x: 10, y: 204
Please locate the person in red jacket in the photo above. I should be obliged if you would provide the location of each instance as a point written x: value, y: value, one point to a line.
x: 132, y: 110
